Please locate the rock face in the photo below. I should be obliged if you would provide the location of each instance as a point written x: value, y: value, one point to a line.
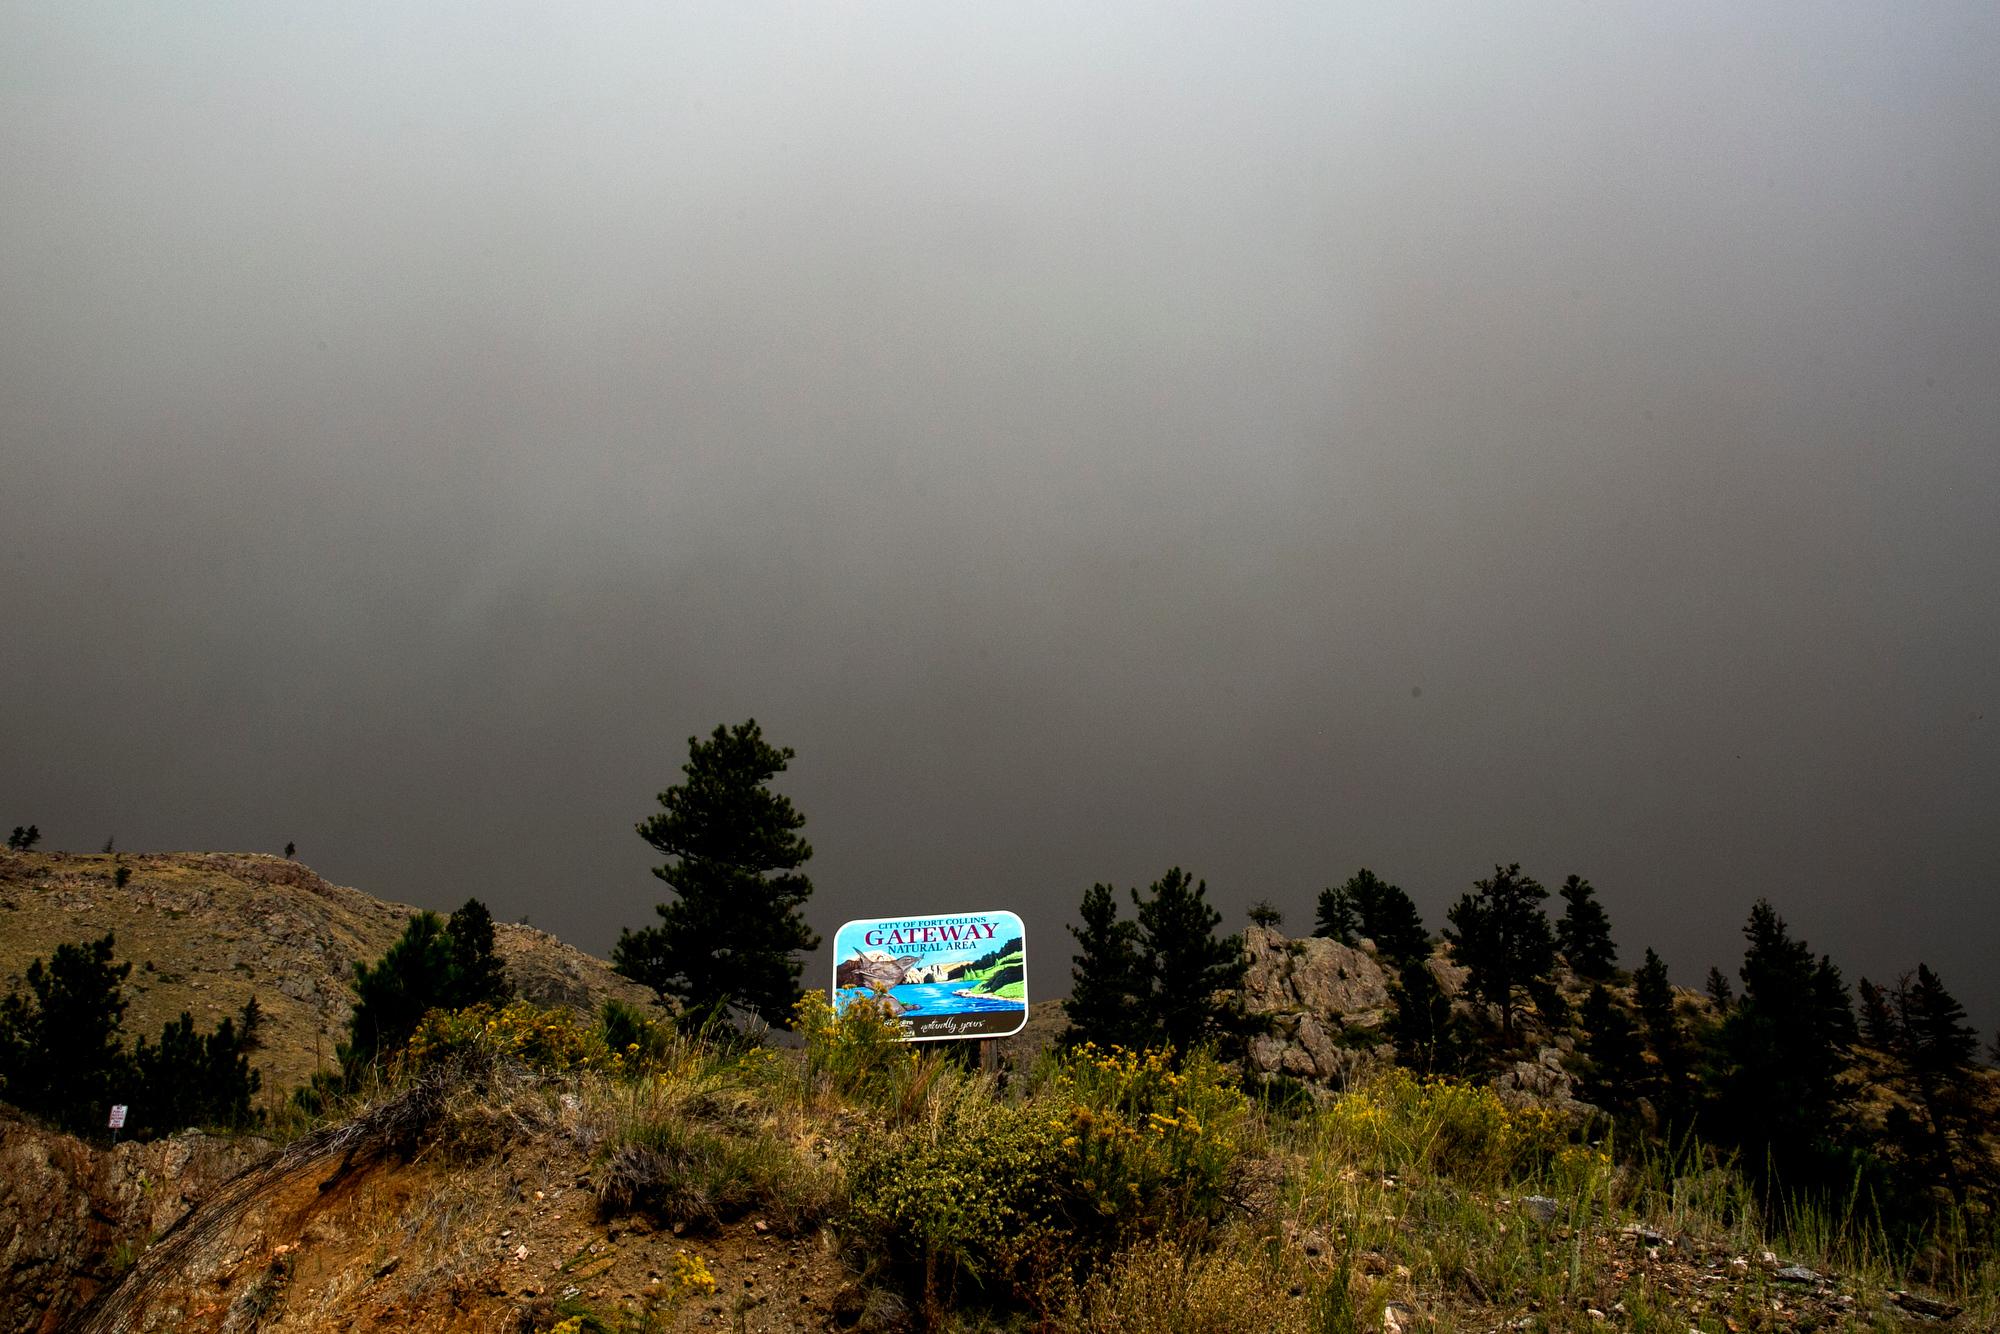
x: 72, y: 1217
x: 1322, y: 1001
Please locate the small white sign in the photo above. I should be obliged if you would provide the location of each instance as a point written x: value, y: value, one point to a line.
x: 117, y: 1116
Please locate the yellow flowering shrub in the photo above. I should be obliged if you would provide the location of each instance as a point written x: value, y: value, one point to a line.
x: 1400, y: 1123
x: 549, y: 1040
x: 859, y: 1049
x: 1145, y: 1139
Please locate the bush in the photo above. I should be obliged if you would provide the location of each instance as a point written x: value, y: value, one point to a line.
x: 550, y: 1041
x: 978, y: 1199
x: 1440, y: 1127
x: 636, y: 1036
x: 859, y: 1051
x: 1147, y: 1141
x: 687, y: 1175
x: 1164, y: 1287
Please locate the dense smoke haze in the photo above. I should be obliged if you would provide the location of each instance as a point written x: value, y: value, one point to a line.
x: 1270, y: 440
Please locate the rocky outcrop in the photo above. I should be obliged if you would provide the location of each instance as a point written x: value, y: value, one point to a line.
x: 1321, y: 1005
x: 73, y: 1218
x: 1543, y: 1081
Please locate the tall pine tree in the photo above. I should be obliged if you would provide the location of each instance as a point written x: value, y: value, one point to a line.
x: 1783, y: 1045
x: 732, y: 933
x: 1107, y: 997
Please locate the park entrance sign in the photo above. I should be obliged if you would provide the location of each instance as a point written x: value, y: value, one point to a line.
x: 958, y: 976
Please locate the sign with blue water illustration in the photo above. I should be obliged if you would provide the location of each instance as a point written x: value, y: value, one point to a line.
x: 964, y: 975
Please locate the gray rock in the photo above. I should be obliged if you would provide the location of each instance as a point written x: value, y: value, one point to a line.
x: 1540, y: 1208
x: 1796, y: 1274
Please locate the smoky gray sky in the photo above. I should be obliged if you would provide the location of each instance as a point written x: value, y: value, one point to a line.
x: 1267, y: 439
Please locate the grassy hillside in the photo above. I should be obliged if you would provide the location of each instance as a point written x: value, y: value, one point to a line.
x: 204, y: 932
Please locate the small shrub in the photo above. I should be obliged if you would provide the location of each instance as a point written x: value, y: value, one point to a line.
x: 698, y: 1177
x: 1166, y: 1287
x: 551, y: 1041
x: 636, y: 1036
x: 858, y: 1051
x: 1441, y: 1127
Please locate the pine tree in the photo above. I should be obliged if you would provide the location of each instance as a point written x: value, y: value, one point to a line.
x: 60, y: 1052
x: 1502, y: 937
x: 1783, y: 1051
x: 1337, y: 918
x: 1163, y: 979
x: 1653, y: 993
x: 1187, y: 964
x: 1935, y: 1047
x: 1369, y: 907
x: 1422, y: 1026
x: 192, y: 1079
x: 434, y: 965
x: 1878, y: 1025
x: 1719, y: 990
x: 732, y: 934
x: 392, y: 995
x: 1263, y: 913
x: 475, y: 976
x: 1107, y: 999
x: 1584, y: 932
x: 1613, y: 1058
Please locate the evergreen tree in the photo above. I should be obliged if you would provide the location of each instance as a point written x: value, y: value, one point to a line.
x: 1501, y: 936
x: 1932, y: 1047
x: 60, y: 1053
x: 1653, y: 993
x: 1187, y: 965
x: 1425, y: 1031
x: 435, y: 965
x: 1107, y: 999
x: 1337, y: 918
x: 475, y: 976
x: 1613, y: 1059
x: 192, y: 1079
x: 1878, y: 1025
x: 1835, y: 1006
x: 1264, y: 914
x: 1719, y: 990
x: 1782, y: 1048
x: 1584, y: 932
x: 392, y: 995
x: 1162, y: 979
x: 732, y: 934
x: 1369, y: 907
